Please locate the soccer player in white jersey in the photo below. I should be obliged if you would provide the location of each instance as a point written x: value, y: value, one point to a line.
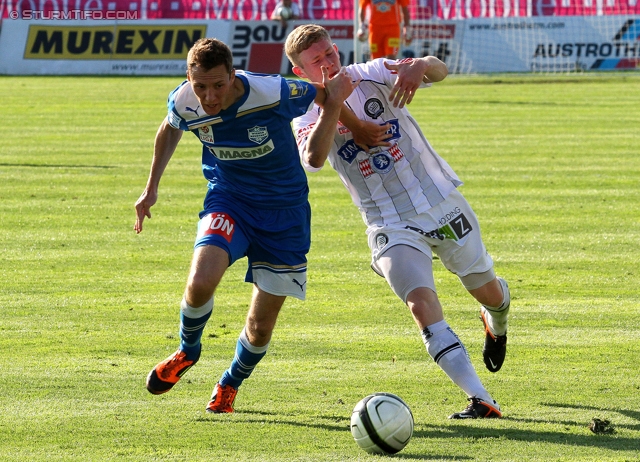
x: 256, y: 203
x: 408, y: 199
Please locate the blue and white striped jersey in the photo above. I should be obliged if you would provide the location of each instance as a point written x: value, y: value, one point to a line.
x: 249, y: 152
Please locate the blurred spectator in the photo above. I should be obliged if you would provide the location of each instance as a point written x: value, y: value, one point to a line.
x: 385, y: 26
x: 284, y: 11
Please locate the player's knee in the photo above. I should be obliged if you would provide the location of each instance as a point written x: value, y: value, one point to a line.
x: 258, y: 333
x: 199, y: 290
x: 490, y: 294
x: 423, y: 300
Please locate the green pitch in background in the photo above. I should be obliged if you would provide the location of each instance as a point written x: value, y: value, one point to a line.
x: 551, y: 167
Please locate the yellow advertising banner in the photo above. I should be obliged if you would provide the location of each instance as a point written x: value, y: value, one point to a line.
x: 129, y: 42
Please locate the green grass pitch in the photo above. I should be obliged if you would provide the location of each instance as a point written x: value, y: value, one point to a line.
x: 551, y: 165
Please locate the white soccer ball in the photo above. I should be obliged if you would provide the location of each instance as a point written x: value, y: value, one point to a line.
x: 382, y: 423
x: 285, y: 12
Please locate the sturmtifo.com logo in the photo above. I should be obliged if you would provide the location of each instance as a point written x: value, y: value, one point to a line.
x: 55, y: 15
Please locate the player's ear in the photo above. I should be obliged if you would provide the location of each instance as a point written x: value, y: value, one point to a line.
x: 299, y: 72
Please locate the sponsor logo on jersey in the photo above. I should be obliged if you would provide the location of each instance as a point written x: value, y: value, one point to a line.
x: 217, y: 223
x: 449, y: 216
x: 365, y: 168
x: 396, y: 153
x: 206, y: 134
x: 342, y: 130
x: 195, y: 111
x: 394, y: 130
x: 373, y: 107
x: 130, y: 42
x: 433, y: 234
x: 297, y: 89
x: 241, y: 153
x: 349, y: 151
x: 304, y: 131
x: 258, y: 134
x: 456, y: 225
x: 299, y: 284
x: 174, y: 119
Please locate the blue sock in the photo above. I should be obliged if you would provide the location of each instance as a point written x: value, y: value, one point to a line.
x: 192, y: 322
x: 246, y: 359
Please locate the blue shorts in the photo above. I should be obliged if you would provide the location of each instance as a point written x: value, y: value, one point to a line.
x: 275, y: 241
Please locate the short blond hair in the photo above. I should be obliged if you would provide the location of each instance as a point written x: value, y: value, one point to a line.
x: 301, y: 38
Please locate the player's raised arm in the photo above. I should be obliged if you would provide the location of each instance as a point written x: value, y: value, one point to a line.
x: 165, y: 144
x: 365, y: 134
x: 331, y: 96
x: 411, y: 74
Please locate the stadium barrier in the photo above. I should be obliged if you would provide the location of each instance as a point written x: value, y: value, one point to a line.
x: 159, y: 47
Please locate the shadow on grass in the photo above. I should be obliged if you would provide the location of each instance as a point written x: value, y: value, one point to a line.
x: 604, y: 441
x: 332, y: 423
x: 635, y: 415
x: 338, y: 423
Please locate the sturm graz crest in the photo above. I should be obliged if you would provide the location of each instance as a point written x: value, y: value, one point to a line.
x: 374, y: 108
x: 381, y: 163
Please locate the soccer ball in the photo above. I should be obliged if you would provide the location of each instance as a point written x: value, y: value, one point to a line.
x: 382, y: 423
x: 285, y: 12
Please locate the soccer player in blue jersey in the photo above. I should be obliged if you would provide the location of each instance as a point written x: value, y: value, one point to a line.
x: 256, y: 204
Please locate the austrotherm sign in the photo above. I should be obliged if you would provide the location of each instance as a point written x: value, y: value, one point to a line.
x: 130, y: 42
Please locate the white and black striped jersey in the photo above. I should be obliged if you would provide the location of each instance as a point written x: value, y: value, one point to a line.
x: 386, y: 184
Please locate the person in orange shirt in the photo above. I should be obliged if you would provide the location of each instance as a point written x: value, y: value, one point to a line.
x: 386, y: 17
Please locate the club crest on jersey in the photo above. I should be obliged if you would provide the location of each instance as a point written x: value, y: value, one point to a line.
x: 297, y: 89
x: 382, y: 5
x: 206, y: 134
x: 258, y: 134
x: 381, y: 163
x: 373, y: 107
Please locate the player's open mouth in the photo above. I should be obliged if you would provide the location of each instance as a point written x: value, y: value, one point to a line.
x: 211, y: 108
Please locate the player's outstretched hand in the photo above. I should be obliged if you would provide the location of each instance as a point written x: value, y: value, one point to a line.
x: 340, y: 86
x: 370, y: 134
x: 143, y: 208
x: 410, y: 74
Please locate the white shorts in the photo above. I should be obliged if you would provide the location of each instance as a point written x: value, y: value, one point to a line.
x: 450, y: 230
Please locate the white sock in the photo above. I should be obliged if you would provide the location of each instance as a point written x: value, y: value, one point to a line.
x: 497, y: 318
x: 449, y: 353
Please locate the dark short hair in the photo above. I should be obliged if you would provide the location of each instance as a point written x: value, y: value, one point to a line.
x: 301, y: 38
x: 208, y: 53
